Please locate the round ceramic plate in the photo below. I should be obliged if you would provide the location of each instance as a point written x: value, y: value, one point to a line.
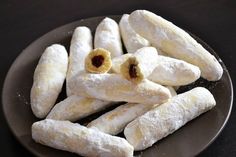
x: 189, y: 140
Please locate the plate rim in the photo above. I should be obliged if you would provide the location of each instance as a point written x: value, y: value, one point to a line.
x: 30, y: 150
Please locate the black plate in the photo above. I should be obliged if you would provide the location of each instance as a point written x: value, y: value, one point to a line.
x: 190, y: 140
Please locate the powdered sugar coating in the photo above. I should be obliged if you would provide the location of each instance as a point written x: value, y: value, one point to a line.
x: 131, y: 39
x: 145, y: 61
x: 163, y: 120
x: 107, y: 36
x: 76, y: 107
x: 114, y: 122
x: 117, y: 61
x: 81, y: 45
x: 113, y: 87
x: 49, y: 76
x: 168, y: 71
x: 75, y: 138
x: 174, y: 72
x: 175, y: 42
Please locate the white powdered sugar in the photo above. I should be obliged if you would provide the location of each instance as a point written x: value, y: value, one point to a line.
x: 49, y: 76
x: 113, y: 87
x: 163, y: 120
x: 75, y: 138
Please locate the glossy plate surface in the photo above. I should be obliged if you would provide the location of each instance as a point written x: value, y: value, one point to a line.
x: 189, y: 140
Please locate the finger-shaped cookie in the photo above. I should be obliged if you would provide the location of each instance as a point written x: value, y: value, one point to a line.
x: 113, y: 87
x: 76, y: 107
x: 163, y: 120
x: 131, y: 39
x: 107, y: 36
x: 175, y: 42
x: 117, y: 61
x: 78, y: 139
x: 140, y: 65
x: 168, y: 71
x: 81, y: 45
x: 174, y: 72
x: 98, y: 61
x: 114, y: 122
x: 49, y: 77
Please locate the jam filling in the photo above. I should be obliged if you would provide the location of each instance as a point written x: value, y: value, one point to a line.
x: 132, y: 71
x: 97, y: 60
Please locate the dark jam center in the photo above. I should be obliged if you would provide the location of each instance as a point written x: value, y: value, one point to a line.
x: 97, y: 60
x: 132, y: 71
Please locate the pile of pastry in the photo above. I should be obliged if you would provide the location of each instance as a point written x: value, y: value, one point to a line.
x: 160, y: 57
